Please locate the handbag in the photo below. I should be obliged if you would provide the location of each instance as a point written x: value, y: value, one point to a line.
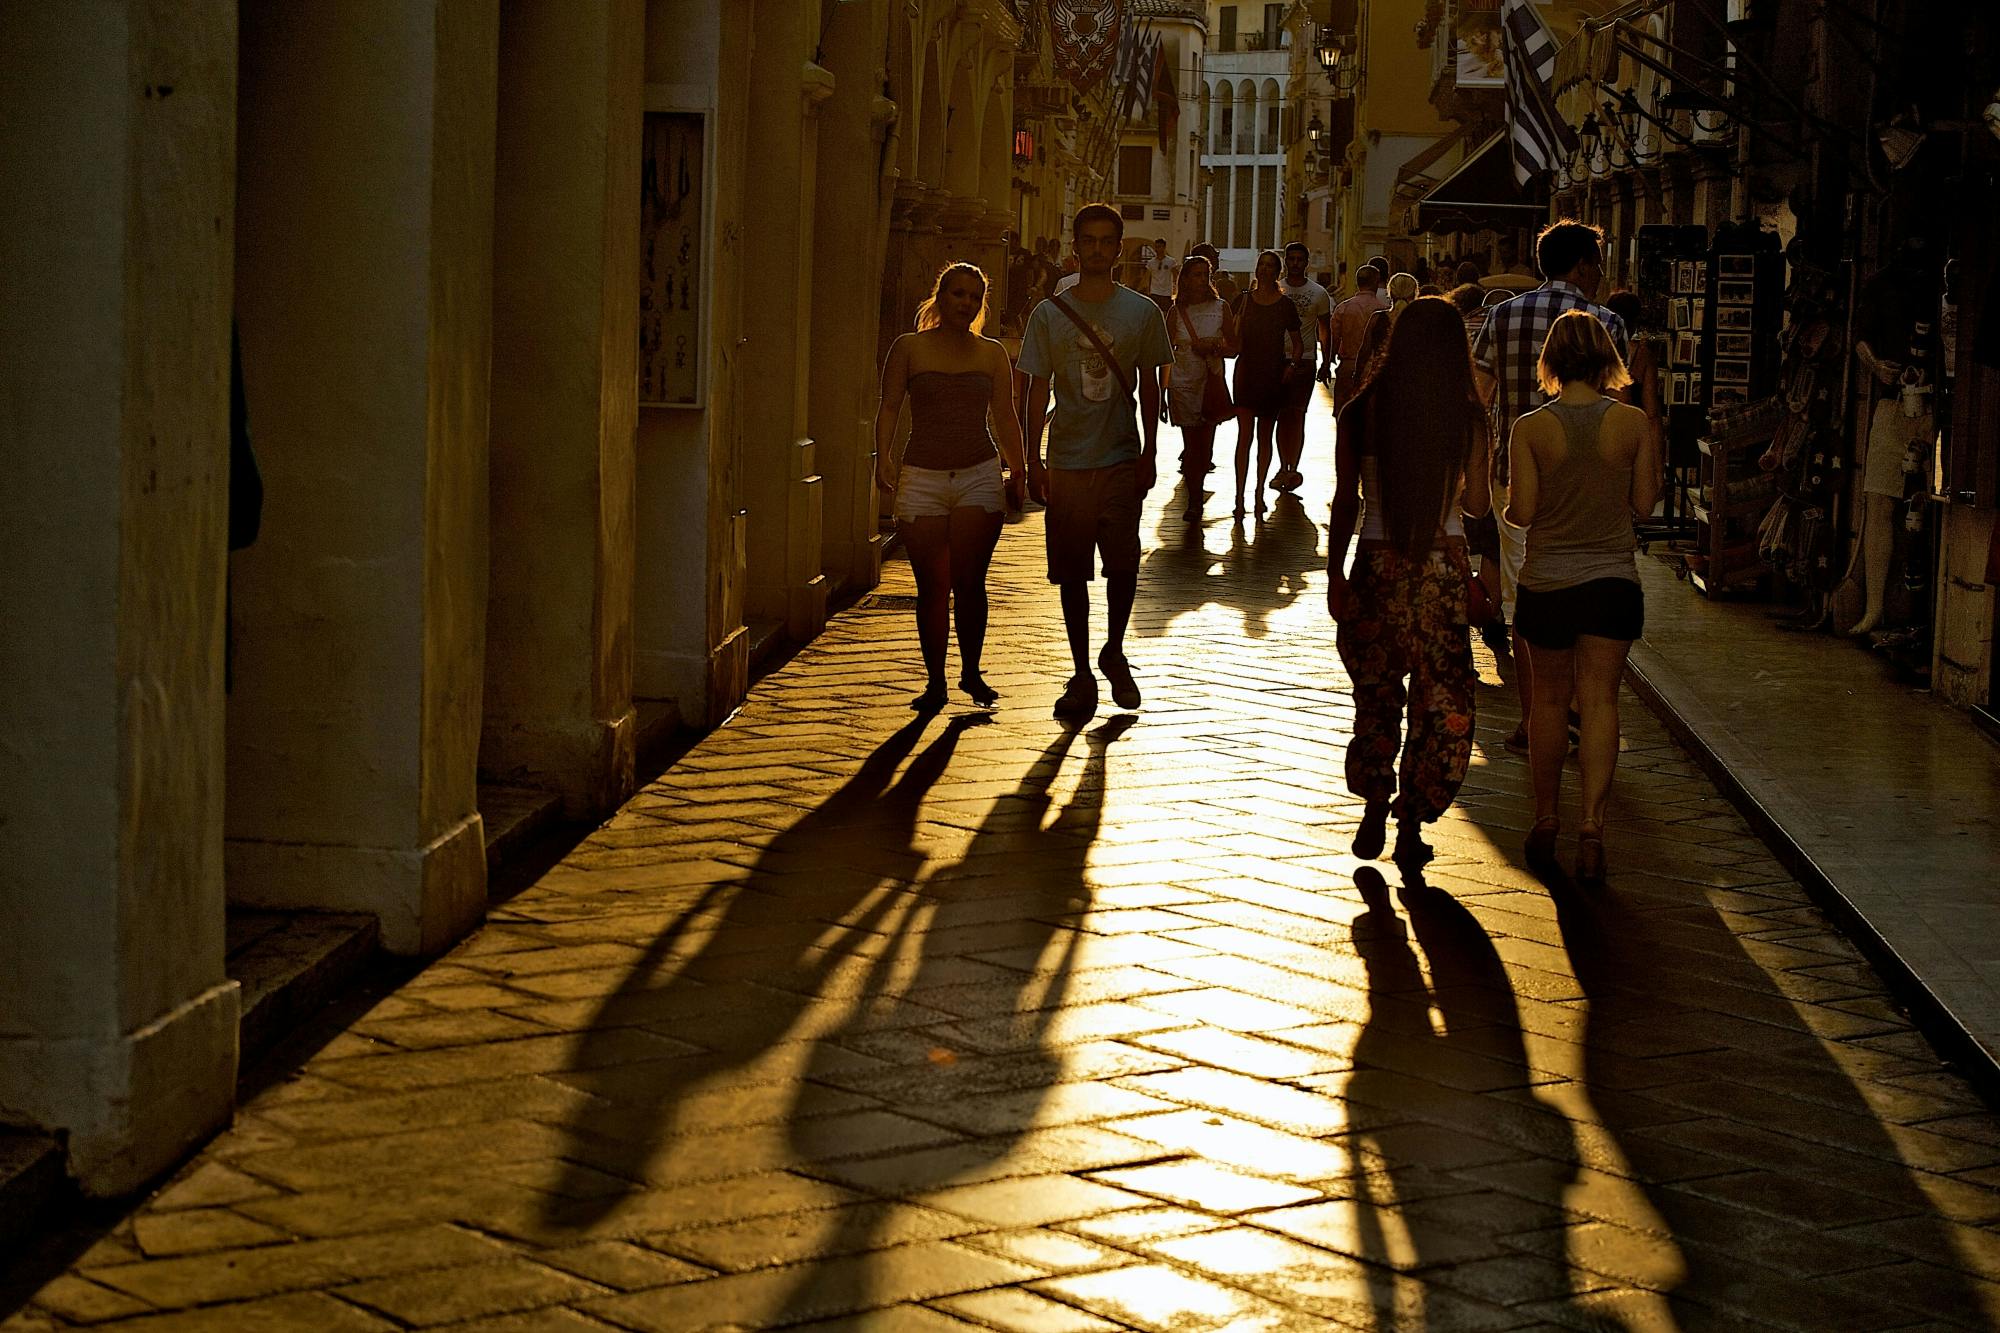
x: 1216, y: 404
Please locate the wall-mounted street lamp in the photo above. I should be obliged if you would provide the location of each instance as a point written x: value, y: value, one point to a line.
x: 1599, y: 149
x: 1342, y: 70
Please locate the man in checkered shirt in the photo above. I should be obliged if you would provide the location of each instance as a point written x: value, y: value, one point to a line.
x: 1506, y: 352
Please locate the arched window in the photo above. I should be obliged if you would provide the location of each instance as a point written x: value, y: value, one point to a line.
x: 1246, y: 117
x: 1269, y: 104
x: 1225, y: 120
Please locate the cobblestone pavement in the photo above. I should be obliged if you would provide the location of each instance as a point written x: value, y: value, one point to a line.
x: 862, y: 1022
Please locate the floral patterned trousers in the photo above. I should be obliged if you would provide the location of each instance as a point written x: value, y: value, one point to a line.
x: 1406, y: 619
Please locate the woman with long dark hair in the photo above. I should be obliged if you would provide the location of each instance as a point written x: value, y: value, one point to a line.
x: 1410, y: 459
x: 1203, y: 332
x: 1268, y: 356
x: 948, y: 486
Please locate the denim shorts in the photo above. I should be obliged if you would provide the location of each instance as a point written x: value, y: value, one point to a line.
x: 924, y: 492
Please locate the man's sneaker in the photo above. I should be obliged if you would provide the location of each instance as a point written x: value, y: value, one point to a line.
x: 1124, y: 690
x: 1080, y: 698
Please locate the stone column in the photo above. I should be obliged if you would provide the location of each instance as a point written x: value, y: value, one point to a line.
x: 906, y: 282
x: 558, y: 708
x: 848, y: 264
x: 692, y: 651
x: 780, y: 481
x: 364, y: 289
x: 117, y: 1023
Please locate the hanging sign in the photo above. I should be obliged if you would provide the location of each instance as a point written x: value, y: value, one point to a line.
x: 1085, y: 34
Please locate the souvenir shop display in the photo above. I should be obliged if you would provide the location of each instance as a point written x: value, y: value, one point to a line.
x: 1728, y: 359
x: 1670, y: 278
x: 1804, y: 459
x: 1895, y: 359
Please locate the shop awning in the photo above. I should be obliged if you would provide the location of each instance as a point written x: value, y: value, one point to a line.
x: 1481, y: 194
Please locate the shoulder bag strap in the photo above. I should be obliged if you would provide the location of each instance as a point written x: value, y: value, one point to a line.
x: 1104, y: 351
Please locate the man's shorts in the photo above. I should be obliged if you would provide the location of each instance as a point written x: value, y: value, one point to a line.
x: 926, y: 492
x: 1604, y: 608
x: 1298, y: 392
x: 1093, y: 509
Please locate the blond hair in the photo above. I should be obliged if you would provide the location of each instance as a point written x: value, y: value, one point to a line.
x: 1580, y: 348
x: 927, y: 313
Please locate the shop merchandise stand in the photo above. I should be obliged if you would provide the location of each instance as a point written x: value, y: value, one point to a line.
x: 1732, y: 498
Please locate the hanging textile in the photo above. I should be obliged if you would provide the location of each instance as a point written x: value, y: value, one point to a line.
x: 1085, y: 34
x: 1540, y: 139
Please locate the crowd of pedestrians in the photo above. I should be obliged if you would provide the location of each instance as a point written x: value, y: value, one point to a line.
x: 1472, y: 423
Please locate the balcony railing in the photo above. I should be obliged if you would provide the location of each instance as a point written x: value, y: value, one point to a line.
x: 1230, y: 43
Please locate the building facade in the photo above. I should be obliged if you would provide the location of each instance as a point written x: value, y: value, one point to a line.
x: 1856, y: 154
x: 1157, y: 177
x: 1394, y: 124
x: 1245, y: 91
x: 558, y: 324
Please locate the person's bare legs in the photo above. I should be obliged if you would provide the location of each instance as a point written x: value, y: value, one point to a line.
x: 929, y: 543
x: 1291, y: 439
x: 1548, y: 721
x: 1120, y: 591
x: 1599, y: 669
x: 1197, y: 455
x: 1246, y: 428
x: 1524, y: 681
x: 1266, y: 427
x: 974, y: 532
x: 1076, y: 624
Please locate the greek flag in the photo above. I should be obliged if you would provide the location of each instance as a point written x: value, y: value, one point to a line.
x: 1541, y: 142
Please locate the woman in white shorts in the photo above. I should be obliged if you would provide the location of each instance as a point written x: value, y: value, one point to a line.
x: 950, y: 495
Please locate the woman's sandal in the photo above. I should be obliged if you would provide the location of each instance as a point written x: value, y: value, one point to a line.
x: 931, y: 700
x: 981, y: 693
x: 1540, y: 848
x: 1590, y: 857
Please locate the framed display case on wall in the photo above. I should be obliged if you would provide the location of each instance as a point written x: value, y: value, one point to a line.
x: 673, y: 287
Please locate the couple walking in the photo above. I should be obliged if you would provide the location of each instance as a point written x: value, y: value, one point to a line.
x: 1273, y: 331
x: 1098, y: 344
x: 1414, y: 460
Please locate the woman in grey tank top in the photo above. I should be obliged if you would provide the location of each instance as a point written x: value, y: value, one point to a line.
x: 1583, y: 467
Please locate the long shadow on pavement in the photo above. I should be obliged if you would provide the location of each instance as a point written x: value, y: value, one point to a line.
x: 1790, y: 1197
x: 1437, y: 1055
x: 823, y: 876
x: 1265, y: 568
x: 995, y: 1090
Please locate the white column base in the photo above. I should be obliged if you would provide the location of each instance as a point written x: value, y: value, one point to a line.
x: 589, y: 763
x: 425, y: 897
x: 132, y: 1105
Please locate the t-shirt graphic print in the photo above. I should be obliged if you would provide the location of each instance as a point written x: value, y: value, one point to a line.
x: 1095, y: 424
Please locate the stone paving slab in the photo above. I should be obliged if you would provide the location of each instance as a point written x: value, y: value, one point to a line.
x: 858, y: 1021
x: 1885, y: 801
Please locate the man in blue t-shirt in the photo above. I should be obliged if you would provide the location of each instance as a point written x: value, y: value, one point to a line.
x: 1098, y: 469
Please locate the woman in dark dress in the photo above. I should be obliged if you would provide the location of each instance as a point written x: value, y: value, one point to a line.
x: 1267, y: 325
